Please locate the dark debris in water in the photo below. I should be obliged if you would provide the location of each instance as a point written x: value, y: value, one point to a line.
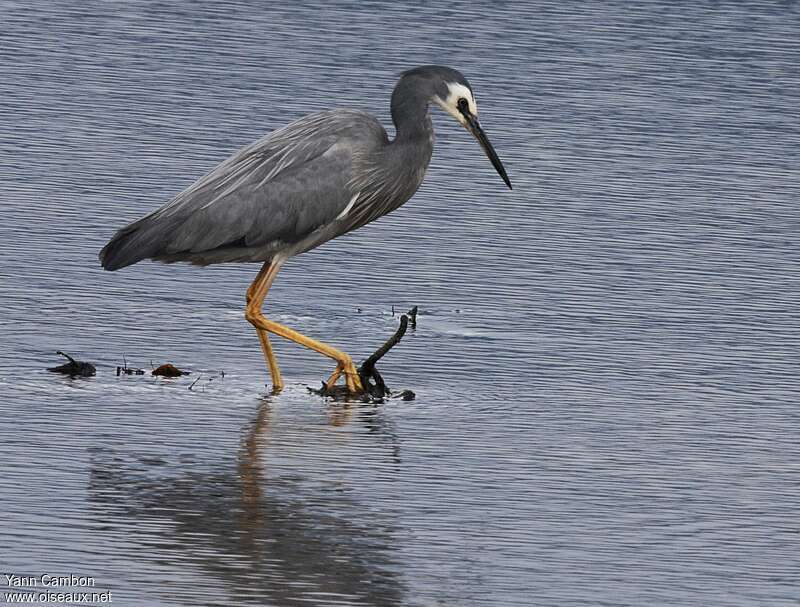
x: 207, y: 380
x: 126, y: 370
x: 168, y: 370
x: 412, y: 316
x: 74, y: 368
x: 129, y: 371
x: 342, y: 394
x: 165, y: 370
x: 375, y: 388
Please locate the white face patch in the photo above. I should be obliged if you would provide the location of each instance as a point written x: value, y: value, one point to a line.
x: 450, y: 105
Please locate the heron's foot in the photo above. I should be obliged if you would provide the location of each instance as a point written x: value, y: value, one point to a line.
x: 373, y: 388
x: 352, y: 379
x: 364, y: 382
x: 337, y: 372
x: 277, y: 387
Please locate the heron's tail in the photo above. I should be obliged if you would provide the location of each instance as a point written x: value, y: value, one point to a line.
x: 131, y: 244
x: 118, y: 253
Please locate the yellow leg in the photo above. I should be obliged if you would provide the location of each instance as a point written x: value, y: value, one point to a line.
x: 255, y: 299
x: 266, y: 347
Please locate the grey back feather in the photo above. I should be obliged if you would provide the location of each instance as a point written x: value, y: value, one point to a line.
x: 265, y: 198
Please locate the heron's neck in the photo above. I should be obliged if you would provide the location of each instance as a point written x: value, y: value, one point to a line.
x: 411, y: 118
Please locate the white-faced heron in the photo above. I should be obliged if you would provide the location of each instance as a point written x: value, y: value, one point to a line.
x: 296, y: 188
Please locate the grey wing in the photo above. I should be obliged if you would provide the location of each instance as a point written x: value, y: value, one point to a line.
x: 268, y: 196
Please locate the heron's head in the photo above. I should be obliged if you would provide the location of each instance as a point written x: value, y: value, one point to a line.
x: 450, y: 90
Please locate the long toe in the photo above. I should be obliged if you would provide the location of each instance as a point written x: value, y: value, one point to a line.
x: 352, y: 380
x: 337, y: 372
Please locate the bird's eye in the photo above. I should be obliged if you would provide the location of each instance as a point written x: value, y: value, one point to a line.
x: 463, y: 105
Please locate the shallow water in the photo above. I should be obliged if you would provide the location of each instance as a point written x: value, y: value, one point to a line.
x: 606, y: 358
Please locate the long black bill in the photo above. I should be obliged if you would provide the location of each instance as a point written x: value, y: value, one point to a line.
x: 475, y: 128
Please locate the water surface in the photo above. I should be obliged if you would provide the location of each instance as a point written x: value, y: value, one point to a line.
x: 606, y: 357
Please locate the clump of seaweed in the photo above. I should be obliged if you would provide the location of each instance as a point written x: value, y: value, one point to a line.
x: 168, y: 370
x: 375, y: 388
x: 74, y: 368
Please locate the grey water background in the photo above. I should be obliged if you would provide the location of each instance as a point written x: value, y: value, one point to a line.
x: 606, y: 357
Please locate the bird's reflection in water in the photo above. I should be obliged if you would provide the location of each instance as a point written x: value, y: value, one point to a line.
x: 271, y: 539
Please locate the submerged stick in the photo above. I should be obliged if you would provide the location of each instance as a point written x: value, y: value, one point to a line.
x: 369, y: 363
x: 370, y: 378
x: 195, y: 381
x: 71, y: 360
